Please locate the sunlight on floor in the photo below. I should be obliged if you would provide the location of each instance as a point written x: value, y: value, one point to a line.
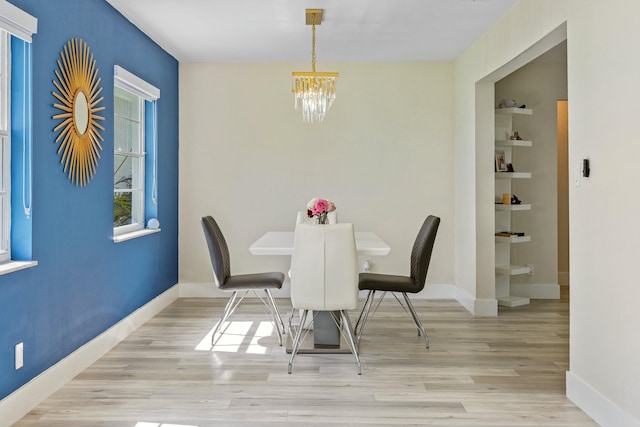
x: 237, y: 337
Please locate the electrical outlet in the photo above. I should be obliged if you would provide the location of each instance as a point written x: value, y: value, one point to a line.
x: 530, y: 266
x: 366, y: 267
x: 19, y: 355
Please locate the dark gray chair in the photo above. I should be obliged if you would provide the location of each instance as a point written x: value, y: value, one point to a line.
x: 221, y: 263
x: 414, y: 283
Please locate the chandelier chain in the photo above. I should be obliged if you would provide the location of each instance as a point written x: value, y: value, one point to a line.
x: 313, y: 42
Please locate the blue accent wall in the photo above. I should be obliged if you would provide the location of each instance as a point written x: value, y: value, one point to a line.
x: 84, y: 282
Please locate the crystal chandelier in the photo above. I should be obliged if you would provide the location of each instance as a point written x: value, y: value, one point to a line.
x: 313, y: 92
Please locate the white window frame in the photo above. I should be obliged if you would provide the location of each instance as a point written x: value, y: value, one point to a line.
x: 13, y: 22
x: 137, y: 163
x: 5, y: 148
x: 131, y: 83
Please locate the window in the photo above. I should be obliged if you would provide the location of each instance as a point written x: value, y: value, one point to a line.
x: 128, y: 162
x: 16, y: 29
x: 134, y: 153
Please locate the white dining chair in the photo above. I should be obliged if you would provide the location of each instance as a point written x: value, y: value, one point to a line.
x: 324, y: 277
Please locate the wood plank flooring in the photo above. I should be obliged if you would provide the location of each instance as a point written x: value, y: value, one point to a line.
x: 479, y: 372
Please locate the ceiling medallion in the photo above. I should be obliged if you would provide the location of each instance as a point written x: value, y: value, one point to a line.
x: 78, y: 88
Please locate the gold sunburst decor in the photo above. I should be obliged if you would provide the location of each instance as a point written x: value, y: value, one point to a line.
x: 79, y: 90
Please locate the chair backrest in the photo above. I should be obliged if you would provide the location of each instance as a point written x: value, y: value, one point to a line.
x: 218, y: 250
x: 421, y: 252
x: 324, y: 267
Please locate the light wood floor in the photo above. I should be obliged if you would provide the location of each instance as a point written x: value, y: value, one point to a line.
x: 479, y: 372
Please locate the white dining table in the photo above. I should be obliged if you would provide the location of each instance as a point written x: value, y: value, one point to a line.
x: 326, y: 336
x: 281, y: 243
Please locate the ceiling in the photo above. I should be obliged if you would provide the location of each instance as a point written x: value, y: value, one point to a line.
x: 275, y: 30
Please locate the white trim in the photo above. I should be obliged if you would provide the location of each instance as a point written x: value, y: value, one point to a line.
x: 596, y: 405
x: 477, y: 307
x: 536, y: 290
x: 209, y: 290
x: 135, y: 84
x: 17, y: 22
x: 487, y: 307
x: 132, y: 235
x: 20, y: 402
x: 11, y: 266
x: 437, y: 291
x: 200, y: 290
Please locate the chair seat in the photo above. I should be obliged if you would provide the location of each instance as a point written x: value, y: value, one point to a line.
x: 386, y: 283
x: 244, y: 282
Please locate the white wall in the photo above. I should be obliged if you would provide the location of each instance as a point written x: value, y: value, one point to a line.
x: 604, y: 210
x: 384, y: 155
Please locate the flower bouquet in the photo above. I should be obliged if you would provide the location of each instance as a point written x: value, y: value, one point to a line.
x: 319, y: 208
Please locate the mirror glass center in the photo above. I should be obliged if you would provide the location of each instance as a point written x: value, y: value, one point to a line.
x: 81, y: 112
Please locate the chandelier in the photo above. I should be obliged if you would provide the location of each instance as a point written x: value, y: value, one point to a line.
x: 313, y: 91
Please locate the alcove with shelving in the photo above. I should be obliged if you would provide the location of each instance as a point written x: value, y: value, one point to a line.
x: 505, y: 206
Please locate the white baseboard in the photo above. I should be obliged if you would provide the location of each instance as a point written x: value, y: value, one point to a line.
x: 200, y: 290
x: 594, y: 404
x: 437, y: 291
x: 563, y: 278
x: 20, y: 402
x: 536, y: 290
x: 208, y: 290
x: 477, y: 307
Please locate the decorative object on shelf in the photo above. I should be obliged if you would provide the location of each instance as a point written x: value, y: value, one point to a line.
x: 79, y: 89
x: 515, y: 200
x: 515, y: 136
x: 506, y: 198
x: 319, y: 208
x: 153, y: 224
x: 510, y: 233
x: 313, y: 91
x: 510, y: 103
x: 501, y: 164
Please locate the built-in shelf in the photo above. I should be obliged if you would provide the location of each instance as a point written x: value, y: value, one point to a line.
x: 509, y: 175
x: 507, y: 143
x: 513, y: 301
x: 514, y: 110
x: 513, y: 239
x: 520, y: 207
x: 512, y: 270
x: 514, y: 143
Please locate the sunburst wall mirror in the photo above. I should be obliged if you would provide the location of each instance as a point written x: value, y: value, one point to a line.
x: 78, y: 92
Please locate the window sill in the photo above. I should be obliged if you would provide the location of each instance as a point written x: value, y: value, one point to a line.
x: 11, y: 266
x: 134, y: 234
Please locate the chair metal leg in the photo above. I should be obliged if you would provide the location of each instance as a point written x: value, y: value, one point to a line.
x: 364, y: 309
x: 228, y: 309
x: 275, y: 307
x: 369, y: 312
x: 275, y: 315
x: 416, y: 319
x: 296, y: 340
x: 293, y: 310
x: 351, y: 339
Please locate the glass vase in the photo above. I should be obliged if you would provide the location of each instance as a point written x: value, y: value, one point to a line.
x: 322, y: 218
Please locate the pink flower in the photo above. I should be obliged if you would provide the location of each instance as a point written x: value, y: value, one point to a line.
x: 321, y: 206
x: 317, y: 207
